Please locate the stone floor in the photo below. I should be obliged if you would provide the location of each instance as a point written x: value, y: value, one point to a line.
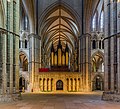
x: 61, y: 101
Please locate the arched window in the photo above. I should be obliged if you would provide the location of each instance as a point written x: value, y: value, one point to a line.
x: 94, y: 44
x: 26, y: 23
x: 102, y: 21
x: 94, y: 23
x: 100, y: 44
x: 19, y: 44
x: 25, y: 43
x: 59, y: 85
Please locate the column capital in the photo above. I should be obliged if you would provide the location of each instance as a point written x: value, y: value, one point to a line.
x: 34, y: 35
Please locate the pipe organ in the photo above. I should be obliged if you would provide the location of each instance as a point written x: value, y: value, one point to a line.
x: 59, y: 57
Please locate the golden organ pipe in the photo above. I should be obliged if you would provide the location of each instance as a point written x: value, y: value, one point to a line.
x: 66, y: 58
x: 59, y: 57
x: 52, y: 58
x: 63, y: 59
x: 55, y: 59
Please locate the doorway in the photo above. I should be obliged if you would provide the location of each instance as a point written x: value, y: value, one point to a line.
x: 22, y: 84
x: 59, y: 85
x: 98, y: 83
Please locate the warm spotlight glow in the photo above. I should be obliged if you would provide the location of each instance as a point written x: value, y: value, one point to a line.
x: 8, y: 0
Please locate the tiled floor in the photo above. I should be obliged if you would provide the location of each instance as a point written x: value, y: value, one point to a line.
x: 61, y: 101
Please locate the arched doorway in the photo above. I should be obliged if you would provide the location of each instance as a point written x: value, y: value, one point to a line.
x: 59, y: 85
x: 98, y: 83
x: 22, y: 84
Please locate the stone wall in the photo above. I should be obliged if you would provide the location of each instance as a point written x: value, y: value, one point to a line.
x: 46, y: 82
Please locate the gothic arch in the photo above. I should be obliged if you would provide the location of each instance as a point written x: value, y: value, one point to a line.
x: 23, y: 61
x: 21, y: 51
x: 98, y: 52
x: 53, y: 7
x: 97, y: 62
x: 100, y: 75
x: 98, y: 82
x: 29, y: 9
x: 59, y: 85
x: 69, y: 27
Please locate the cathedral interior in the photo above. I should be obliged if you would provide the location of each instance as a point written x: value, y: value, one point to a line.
x: 59, y: 46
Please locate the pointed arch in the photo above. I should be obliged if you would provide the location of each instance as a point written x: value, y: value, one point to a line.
x: 59, y: 20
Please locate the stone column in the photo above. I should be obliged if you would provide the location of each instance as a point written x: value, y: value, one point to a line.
x: 85, y: 61
x: 118, y: 69
x: 45, y: 86
x: 106, y: 65
x: 11, y: 63
x: 106, y: 44
x: 34, y: 63
x: 36, y: 87
x: 73, y: 84
x: 40, y: 53
x: 17, y: 63
x: 49, y: 84
x: 118, y: 47
x: 112, y: 63
x: 31, y: 62
x: 41, y: 89
x: 79, y: 58
x: 77, y: 84
x: 3, y: 63
x: 69, y: 84
x: 110, y: 44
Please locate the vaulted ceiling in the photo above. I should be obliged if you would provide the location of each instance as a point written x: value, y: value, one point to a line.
x: 60, y: 24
